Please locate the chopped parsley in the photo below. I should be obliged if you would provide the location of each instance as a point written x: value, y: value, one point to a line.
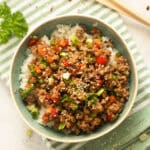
x: 12, y: 24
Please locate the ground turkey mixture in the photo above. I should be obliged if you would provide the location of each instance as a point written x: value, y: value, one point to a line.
x: 76, y: 80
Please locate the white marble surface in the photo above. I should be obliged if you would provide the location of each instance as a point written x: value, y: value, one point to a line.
x: 12, y: 127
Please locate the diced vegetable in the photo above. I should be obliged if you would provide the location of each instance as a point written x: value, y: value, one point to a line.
x: 29, y: 132
x: 115, y: 77
x: 126, y: 73
x: 63, y: 43
x: 93, y: 114
x: 33, y: 41
x: 53, y: 112
x: 61, y: 126
x: 43, y: 61
x: 66, y: 63
x: 95, y: 30
x: 32, y: 70
x: 24, y: 93
x: 101, y: 60
x: 51, y: 80
x: 112, y: 99
x: 100, y: 82
x: 66, y: 75
x: 110, y: 116
x: 63, y: 54
x: 41, y: 81
x: 97, y: 43
x: 66, y: 98
x: 74, y: 106
x: 94, y: 99
x: 74, y: 40
x: 33, y: 110
x: 100, y: 92
x: 52, y: 42
x: 45, y: 117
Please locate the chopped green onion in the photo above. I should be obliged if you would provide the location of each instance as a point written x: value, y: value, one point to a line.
x: 126, y: 73
x: 63, y: 54
x: 61, y: 126
x: 115, y: 77
x: 89, y: 58
x: 100, y: 92
x: 43, y: 61
x: 32, y: 70
x: 29, y: 132
x: 93, y: 114
x: 52, y: 42
x: 74, y: 106
x: 24, y: 93
x: 33, y: 110
x: 93, y: 100
x: 66, y: 98
x: 41, y: 81
x: 74, y: 40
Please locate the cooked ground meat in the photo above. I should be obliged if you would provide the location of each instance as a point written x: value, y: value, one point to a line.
x: 79, y: 81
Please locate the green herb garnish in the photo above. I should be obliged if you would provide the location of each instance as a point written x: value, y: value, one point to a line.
x: 11, y: 24
x: 61, y: 126
x: 74, y: 40
x: 32, y: 70
x: 33, y: 110
x: 100, y: 92
x: 24, y: 93
x: 74, y: 106
x: 66, y: 98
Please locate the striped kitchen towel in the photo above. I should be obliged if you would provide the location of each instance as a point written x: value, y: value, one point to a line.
x: 126, y: 136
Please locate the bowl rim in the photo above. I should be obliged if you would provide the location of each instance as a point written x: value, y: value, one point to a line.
x: 69, y: 140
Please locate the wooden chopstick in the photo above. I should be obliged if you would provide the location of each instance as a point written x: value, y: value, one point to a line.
x: 125, y: 10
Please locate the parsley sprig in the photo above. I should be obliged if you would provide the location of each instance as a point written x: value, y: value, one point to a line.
x: 12, y: 24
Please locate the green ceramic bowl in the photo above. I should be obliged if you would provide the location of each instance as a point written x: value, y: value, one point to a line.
x: 45, y: 29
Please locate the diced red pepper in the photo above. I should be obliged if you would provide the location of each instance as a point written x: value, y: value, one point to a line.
x: 95, y: 30
x: 110, y: 116
x: 45, y: 117
x: 55, y: 99
x: 42, y: 51
x: 63, y: 43
x: 102, y: 60
x: 66, y: 63
x: 97, y: 43
x: 100, y: 82
x: 112, y: 99
x: 33, y: 41
x: 57, y: 49
x: 48, y: 97
x: 49, y: 59
x: 53, y: 112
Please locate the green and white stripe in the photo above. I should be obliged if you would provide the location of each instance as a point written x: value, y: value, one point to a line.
x: 37, y: 11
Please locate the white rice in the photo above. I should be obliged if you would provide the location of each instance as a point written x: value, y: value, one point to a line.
x: 25, y: 71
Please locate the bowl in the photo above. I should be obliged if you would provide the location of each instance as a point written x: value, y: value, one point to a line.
x: 45, y: 29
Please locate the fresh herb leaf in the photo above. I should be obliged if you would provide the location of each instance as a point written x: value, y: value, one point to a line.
x: 11, y: 24
x: 19, y: 24
x: 4, y: 35
x: 4, y: 10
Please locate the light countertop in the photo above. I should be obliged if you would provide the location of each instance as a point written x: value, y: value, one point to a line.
x: 12, y: 127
